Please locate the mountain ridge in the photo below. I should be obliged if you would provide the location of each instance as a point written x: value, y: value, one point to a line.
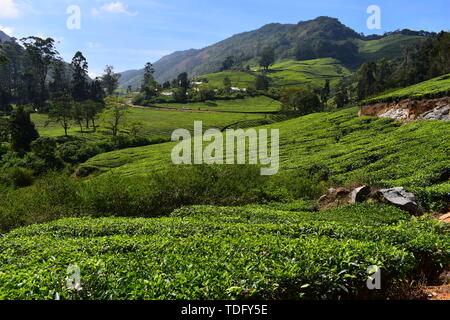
x: 318, y: 38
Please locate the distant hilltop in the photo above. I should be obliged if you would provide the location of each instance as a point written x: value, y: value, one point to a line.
x: 322, y: 37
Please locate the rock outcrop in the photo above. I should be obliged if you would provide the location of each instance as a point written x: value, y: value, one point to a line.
x: 410, y: 110
x: 400, y: 198
x: 361, y: 194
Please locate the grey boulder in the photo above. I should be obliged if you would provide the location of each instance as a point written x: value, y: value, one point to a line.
x: 400, y: 198
x: 360, y: 194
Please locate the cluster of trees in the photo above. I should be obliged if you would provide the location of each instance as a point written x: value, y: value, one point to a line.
x: 34, y: 78
x: 345, y: 51
x: 266, y: 58
x: 301, y: 101
x: 419, y: 62
x: 32, y: 73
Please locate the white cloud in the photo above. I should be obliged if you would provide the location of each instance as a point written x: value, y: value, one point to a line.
x: 114, y: 7
x: 8, y: 9
x: 8, y: 30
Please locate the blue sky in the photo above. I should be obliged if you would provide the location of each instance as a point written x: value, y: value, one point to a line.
x: 128, y: 33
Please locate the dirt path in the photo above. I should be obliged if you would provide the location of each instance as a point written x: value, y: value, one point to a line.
x: 191, y: 110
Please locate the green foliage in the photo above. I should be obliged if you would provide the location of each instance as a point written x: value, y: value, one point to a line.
x: 267, y: 58
x: 22, y: 130
x: 155, y: 195
x: 258, y: 104
x: 262, y: 83
x: 311, y: 74
x: 110, y: 80
x: 80, y: 77
x: 62, y: 111
x: 17, y: 177
x: 300, y: 100
x: 340, y: 146
x: 420, y: 61
x: 434, y: 88
x: 219, y: 253
x: 329, y: 36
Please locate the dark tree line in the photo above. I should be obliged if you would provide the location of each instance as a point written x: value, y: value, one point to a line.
x: 35, y: 78
x: 419, y: 62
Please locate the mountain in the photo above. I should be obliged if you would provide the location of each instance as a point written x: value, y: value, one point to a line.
x: 319, y: 38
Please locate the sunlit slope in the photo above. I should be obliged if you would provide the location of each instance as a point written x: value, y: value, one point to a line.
x: 351, y: 149
x: 310, y: 73
x: 248, y: 104
x: 388, y: 47
x: 152, y: 122
x: 436, y: 87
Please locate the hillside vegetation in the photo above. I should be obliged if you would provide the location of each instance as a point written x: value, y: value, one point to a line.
x: 310, y: 73
x: 319, y: 38
x: 434, y: 88
x: 151, y: 122
x: 225, y: 253
x: 347, y: 148
x: 259, y: 104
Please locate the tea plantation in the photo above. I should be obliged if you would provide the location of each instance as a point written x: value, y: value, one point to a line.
x: 258, y: 104
x: 225, y: 253
x: 311, y: 73
x: 434, y: 88
x: 344, y: 147
x: 152, y: 122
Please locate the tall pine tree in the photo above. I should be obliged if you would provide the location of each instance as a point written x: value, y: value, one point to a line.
x: 22, y: 130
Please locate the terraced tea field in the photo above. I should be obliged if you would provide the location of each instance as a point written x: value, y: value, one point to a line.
x: 310, y: 73
x: 153, y: 122
x: 366, y: 149
x: 248, y: 104
x: 436, y: 87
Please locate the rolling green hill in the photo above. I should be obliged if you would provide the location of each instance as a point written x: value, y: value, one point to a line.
x: 386, y: 47
x: 310, y: 73
x: 249, y: 104
x: 323, y: 37
x: 154, y: 122
x: 350, y: 149
x: 436, y: 87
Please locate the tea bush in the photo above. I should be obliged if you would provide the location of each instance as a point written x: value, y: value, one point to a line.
x: 223, y: 253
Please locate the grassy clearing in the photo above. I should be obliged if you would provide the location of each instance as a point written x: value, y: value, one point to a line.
x: 249, y: 104
x: 154, y: 122
x: 436, y: 87
x: 310, y: 73
x: 223, y: 253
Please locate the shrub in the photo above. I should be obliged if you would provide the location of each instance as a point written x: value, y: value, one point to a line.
x: 301, y: 100
x: 17, y: 177
x: 224, y: 253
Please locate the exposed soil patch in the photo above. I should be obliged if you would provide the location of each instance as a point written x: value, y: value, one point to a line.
x: 410, y: 110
